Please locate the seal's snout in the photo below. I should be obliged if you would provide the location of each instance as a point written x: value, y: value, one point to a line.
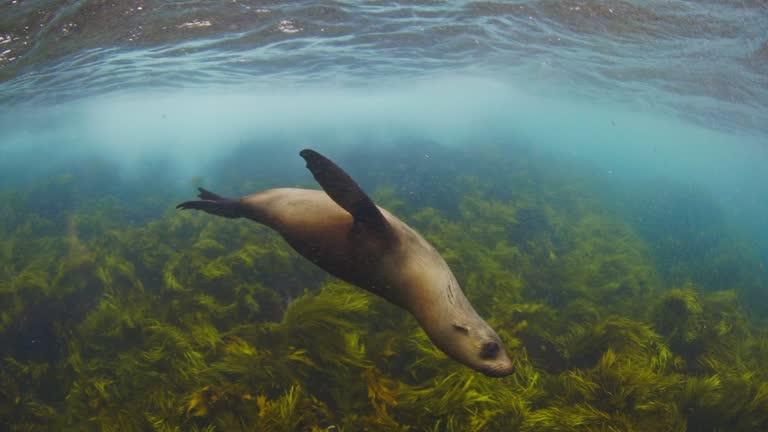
x: 495, y: 362
x: 499, y: 370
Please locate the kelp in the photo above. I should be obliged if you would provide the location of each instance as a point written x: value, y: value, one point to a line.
x: 184, y: 322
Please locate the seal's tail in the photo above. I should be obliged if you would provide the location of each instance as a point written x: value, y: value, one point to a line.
x: 214, y: 204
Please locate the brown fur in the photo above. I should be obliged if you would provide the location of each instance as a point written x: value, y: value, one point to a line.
x: 398, y: 265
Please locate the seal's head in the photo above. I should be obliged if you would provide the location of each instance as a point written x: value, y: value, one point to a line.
x: 480, y: 348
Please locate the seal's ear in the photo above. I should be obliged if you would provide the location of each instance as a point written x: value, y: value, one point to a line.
x: 344, y: 191
x: 462, y: 328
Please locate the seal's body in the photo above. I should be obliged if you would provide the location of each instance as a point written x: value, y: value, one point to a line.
x: 343, y: 232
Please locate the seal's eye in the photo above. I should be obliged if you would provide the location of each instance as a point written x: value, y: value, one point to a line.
x: 489, y: 350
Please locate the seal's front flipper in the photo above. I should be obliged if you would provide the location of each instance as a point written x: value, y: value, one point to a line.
x: 344, y: 191
x: 214, y: 204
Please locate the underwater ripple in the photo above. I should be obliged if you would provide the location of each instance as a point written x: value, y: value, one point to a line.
x: 707, y: 61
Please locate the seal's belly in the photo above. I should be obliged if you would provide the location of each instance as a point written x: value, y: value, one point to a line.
x: 340, y: 254
x: 325, y: 234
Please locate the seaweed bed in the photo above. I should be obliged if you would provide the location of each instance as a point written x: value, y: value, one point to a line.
x: 623, y: 310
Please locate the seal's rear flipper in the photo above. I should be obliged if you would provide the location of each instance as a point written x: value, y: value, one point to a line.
x: 214, y: 204
x: 344, y: 191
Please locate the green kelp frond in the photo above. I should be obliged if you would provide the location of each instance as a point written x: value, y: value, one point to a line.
x: 328, y: 324
x: 291, y: 412
x: 471, y: 402
x: 734, y: 392
x: 31, y: 370
x: 449, y: 394
x: 585, y: 343
x: 77, y: 278
x: 729, y: 401
x: 107, y: 324
x: 319, y: 340
x: 495, y: 217
x: 118, y: 274
x: 701, y: 394
x: 247, y: 369
x: 112, y: 322
x: 679, y: 316
x: 32, y: 283
x: 627, y: 383
x: 581, y: 417
x: 728, y: 319
x: 631, y: 382
x: 311, y: 312
x: 702, y: 329
x: 387, y: 197
x: 19, y: 404
x: 609, y: 263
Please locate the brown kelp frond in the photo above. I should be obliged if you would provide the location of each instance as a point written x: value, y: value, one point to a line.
x: 382, y: 390
x: 383, y: 395
x: 228, y: 397
x: 290, y: 412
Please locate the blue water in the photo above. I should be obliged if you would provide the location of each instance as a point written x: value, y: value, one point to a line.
x: 658, y: 108
x: 674, y: 89
x: 641, y: 90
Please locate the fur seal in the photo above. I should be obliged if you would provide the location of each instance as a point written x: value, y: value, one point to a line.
x: 343, y: 232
